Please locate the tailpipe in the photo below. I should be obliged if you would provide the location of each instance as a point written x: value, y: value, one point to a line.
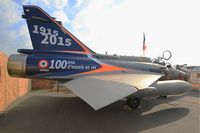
x: 17, y: 65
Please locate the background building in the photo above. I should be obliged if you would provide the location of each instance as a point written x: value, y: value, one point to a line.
x: 194, y: 76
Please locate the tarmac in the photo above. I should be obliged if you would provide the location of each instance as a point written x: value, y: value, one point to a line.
x: 62, y: 112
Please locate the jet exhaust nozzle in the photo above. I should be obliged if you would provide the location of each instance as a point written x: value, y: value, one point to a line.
x: 17, y: 65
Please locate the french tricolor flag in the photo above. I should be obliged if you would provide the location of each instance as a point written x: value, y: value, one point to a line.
x: 144, y: 45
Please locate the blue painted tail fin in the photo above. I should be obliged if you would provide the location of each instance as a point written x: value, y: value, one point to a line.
x: 48, y: 34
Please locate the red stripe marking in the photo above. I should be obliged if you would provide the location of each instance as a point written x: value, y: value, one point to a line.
x: 105, y: 68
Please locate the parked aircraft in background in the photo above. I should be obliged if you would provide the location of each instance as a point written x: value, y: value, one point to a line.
x: 96, y: 78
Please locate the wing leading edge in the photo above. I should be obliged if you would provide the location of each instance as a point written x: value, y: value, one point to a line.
x: 102, y: 90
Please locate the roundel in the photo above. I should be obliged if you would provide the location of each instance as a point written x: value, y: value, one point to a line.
x: 43, y: 64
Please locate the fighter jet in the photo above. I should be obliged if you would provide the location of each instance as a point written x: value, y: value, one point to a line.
x: 96, y: 78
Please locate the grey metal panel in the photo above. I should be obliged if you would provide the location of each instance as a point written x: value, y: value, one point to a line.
x: 121, y: 57
x: 99, y: 93
x: 140, y: 81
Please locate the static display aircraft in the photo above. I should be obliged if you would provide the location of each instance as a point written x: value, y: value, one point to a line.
x: 96, y: 78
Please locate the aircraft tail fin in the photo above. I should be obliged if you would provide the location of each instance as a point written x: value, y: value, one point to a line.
x: 48, y: 34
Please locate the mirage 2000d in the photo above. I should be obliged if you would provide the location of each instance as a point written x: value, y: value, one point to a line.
x: 96, y: 78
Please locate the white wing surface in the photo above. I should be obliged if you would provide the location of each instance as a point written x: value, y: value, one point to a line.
x: 102, y: 90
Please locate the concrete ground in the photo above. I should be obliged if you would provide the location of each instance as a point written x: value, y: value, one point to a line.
x: 52, y: 112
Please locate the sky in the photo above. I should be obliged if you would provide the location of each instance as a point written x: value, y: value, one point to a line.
x: 115, y: 26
